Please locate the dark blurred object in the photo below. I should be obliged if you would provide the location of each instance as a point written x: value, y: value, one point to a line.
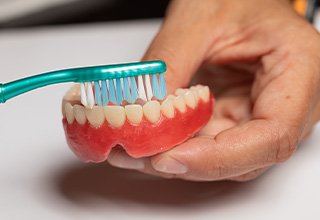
x: 311, y: 9
x: 84, y: 11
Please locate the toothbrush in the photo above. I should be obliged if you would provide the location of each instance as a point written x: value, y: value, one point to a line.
x: 100, y: 85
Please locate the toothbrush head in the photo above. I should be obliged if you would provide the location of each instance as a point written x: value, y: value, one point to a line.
x: 115, y: 84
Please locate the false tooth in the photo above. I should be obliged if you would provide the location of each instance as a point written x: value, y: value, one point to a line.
x: 63, y: 107
x: 179, y: 104
x: 72, y: 96
x: 73, y: 93
x: 180, y: 91
x: 152, y: 111
x: 134, y: 113
x: 95, y: 116
x: 115, y: 115
x: 190, y: 99
x: 79, y: 114
x: 194, y: 91
x: 171, y: 97
x: 69, y: 112
x: 207, y: 91
x: 167, y: 108
x: 204, y: 93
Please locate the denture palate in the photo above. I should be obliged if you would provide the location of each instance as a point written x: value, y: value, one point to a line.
x: 116, y: 116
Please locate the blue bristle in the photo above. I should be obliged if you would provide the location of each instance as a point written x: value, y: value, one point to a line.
x: 163, y: 90
x: 97, y: 93
x: 119, y: 91
x: 126, y: 91
x: 155, y: 87
x: 104, y: 92
x: 134, y: 90
x: 112, y: 92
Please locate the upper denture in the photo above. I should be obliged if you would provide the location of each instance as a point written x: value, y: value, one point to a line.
x: 116, y: 116
x: 143, y: 129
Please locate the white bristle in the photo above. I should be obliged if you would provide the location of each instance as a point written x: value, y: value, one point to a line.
x: 121, y: 82
x: 83, y: 94
x: 115, y: 84
x: 148, y: 86
x: 129, y: 81
x: 141, y: 90
x: 91, y: 101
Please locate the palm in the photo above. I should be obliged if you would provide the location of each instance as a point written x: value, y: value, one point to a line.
x: 231, y: 86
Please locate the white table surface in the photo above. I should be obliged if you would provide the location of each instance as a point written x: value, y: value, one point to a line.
x: 41, y: 179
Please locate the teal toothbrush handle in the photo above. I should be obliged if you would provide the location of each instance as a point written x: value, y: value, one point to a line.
x: 15, y: 88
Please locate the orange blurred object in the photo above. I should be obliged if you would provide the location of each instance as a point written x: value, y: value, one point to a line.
x: 300, y: 6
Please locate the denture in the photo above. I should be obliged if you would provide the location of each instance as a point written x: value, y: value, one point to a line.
x: 142, y: 128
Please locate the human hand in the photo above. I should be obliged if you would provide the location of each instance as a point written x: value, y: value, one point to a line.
x: 263, y: 60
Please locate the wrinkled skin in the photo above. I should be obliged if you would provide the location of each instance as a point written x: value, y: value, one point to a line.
x: 263, y: 60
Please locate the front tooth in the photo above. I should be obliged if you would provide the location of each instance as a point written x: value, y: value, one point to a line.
x: 167, y: 108
x: 134, y: 113
x: 152, y: 111
x: 95, y: 116
x: 180, y: 91
x: 115, y: 115
x: 204, y: 93
x: 79, y: 114
x: 190, y: 99
x: 179, y: 104
x: 69, y: 112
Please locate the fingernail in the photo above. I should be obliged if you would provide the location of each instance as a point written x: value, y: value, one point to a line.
x: 126, y: 162
x: 169, y: 165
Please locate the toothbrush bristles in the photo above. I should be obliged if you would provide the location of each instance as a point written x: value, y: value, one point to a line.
x: 120, y: 90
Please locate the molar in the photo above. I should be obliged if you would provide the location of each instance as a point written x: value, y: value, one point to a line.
x: 204, y: 93
x: 95, y: 116
x: 194, y: 91
x: 134, y: 113
x: 63, y: 107
x: 115, y: 115
x: 73, y: 94
x: 171, y: 97
x: 180, y: 91
x: 167, y: 108
x: 69, y: 112
x: 179, y: 104
x: 152, y: 111
x: 190, y: 99
x: 79, y: 114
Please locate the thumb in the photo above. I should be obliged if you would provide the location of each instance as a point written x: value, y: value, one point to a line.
x: 231, y: 153
x: 181, y: 47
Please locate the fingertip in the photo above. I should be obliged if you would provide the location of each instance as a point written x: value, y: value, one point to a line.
x: 187, y: 157
x: 169, y: 165
x: 119, y: 158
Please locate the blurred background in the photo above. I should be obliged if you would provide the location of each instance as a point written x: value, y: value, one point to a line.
x: 26, y: 13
